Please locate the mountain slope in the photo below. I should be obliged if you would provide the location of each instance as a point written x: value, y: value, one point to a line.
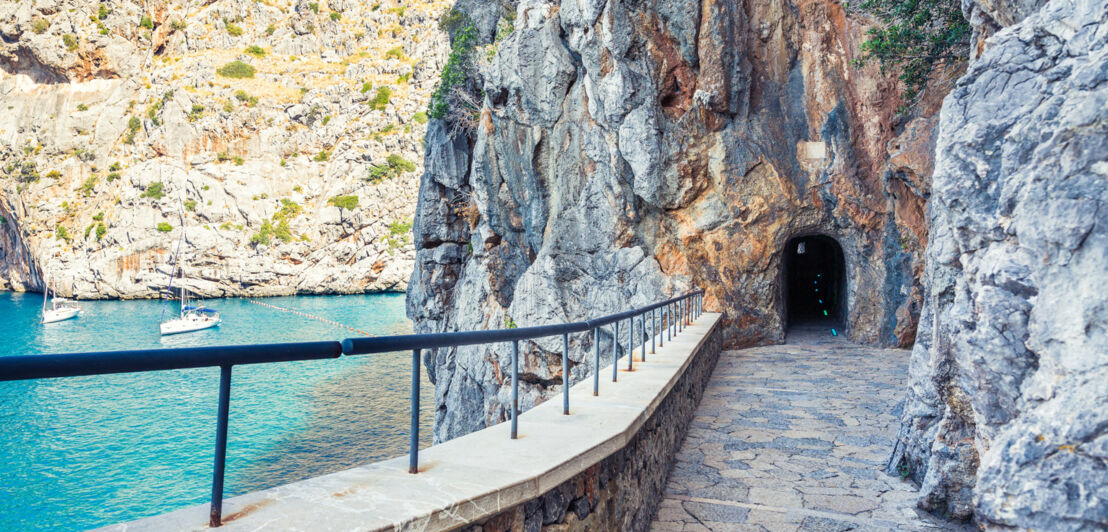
x: 285, y: 137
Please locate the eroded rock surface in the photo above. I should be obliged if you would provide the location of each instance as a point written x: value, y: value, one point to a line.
x: 101, y: 100
x: 1006, y: 419
x: 626, y: 151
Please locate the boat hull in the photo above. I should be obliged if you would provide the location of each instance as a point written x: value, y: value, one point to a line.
x: 186, y: 326
x: 56, y: 315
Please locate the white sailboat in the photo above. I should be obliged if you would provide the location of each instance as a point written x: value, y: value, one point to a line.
x: 190, y: 318
x: 60, y: 309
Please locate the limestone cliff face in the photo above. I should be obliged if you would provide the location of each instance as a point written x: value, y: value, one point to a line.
x: 630, y: 150
x: 103, y: 100
x: 1006, y: 419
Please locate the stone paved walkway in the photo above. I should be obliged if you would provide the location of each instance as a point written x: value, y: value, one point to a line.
x: 795, y: 437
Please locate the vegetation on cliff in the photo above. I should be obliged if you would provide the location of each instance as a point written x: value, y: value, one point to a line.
x: 914, y: 38
x: 451, y: 100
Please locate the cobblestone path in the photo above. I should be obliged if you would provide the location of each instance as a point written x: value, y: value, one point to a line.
x: 795, y: 437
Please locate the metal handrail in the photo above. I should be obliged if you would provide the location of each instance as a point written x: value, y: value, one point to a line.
x: 680, y: 311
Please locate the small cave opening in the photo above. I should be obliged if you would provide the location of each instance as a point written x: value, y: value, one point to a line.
x: 814, y: 283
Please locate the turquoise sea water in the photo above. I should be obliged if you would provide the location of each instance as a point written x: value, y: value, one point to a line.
x: 83, y: 452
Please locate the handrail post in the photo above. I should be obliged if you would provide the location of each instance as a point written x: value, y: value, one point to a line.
x: 413, y: 432
x: 631, y: 343
x: 515, y: 388
x: 615, y: 352
x: 216, y: 515
x: 662, y: 326
x: 565, y: 374
x: 672, y: 321
x: 596, y: 368
x: 642, y: 332
x: 653, y: 328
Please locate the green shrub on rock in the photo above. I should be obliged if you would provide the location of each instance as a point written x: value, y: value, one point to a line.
x: 344, y: 202
x: 400, y: 232
x: 264, y: 236
x: 381, y: 100
x: 154, y: 191
x: 24, y: 172
x: 236, y: 70
x: 88, y: 186
x: 395, y: 53
x: 399, y: 163
x: 246, y: 98
x: 394, y: 166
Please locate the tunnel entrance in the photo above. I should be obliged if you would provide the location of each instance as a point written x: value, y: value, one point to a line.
x: 815, y: 282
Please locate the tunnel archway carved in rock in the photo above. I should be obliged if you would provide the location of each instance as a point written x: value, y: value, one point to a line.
x: 813, y: 283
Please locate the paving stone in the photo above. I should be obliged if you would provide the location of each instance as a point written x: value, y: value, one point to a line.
x: 841, y: 503
x: 793, y: 437
x: 824, y: 524
x: 723, y: 513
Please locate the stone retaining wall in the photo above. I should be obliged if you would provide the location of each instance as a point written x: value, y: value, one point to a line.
x: 622, y: 491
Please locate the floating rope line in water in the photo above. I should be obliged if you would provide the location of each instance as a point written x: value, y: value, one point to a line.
x: 310, y: 316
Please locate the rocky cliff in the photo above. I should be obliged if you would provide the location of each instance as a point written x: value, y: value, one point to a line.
x: 1007, y: 413
x: 283, y: 138
x: 624, y: 151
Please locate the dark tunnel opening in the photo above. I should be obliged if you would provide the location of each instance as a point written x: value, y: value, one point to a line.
x: 815, y: 282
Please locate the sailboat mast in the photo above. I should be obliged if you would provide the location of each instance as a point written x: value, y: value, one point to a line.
x: 173, y: 271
